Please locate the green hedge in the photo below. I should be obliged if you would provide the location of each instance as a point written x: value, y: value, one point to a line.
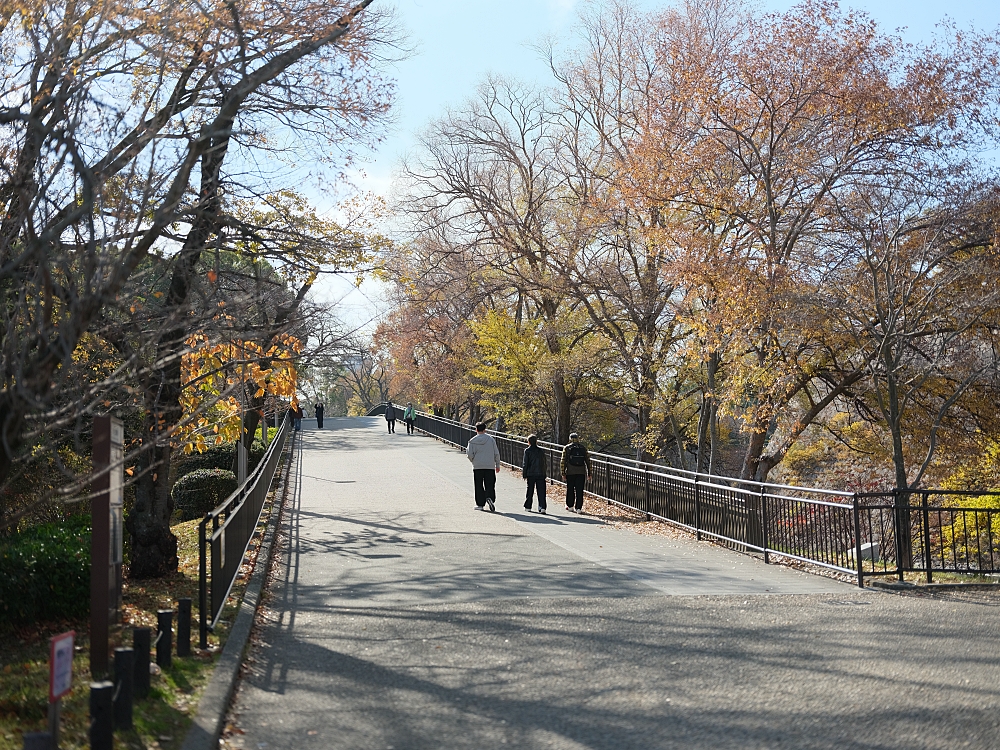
x: 45, y: 573
x: 196, y: 493
x: 218, y: 457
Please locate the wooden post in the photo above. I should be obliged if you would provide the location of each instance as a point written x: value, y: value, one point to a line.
x: 106, y: 538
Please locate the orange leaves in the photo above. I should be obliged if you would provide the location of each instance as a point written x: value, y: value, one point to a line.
x: 217, y: 376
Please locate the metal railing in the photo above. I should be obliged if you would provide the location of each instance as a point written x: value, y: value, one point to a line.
x: 232, y: 526
x: 855, y: 534
x: 931, y: 531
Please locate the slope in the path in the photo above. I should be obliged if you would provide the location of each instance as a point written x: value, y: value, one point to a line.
x: 402, y: 618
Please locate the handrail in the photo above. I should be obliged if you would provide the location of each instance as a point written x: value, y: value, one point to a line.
x: 809, y: 524
x: 230, y: 538
x: 660, y: 469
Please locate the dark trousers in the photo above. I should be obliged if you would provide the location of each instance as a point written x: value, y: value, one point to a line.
x: 486, y: 485
x: 319, y: 421
x: 574, y: 490
x: 409, y: 426
x: 535, y: 484
x: 392, y: 424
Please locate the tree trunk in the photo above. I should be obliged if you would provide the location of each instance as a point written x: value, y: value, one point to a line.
x: 675, y: 428
x: 708, y: 426
x: 751, y: 459
x: 152, y: 543
x: 561, y: 428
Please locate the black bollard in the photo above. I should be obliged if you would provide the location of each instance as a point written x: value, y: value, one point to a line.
x: 184, y: 627
x: 102, y: 727
x: 164, y: 636
x: 37, y: 741
x: 141, y: 642
x: 124, y: 682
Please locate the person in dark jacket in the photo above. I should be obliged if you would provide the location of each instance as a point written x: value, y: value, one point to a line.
x: 319, y: 415
x: 533, y: 469
x: 297, y: 417
x: 575, y: 469
x: 390, y: 418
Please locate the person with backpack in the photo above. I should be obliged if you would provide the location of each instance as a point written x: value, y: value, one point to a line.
x: 484, y: 454
x: 409, y: 416
x: 534, y: 469
x: 390, y: 418
x: 575, y: 469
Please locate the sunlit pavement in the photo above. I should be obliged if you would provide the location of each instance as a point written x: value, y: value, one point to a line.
x: 401, y: 617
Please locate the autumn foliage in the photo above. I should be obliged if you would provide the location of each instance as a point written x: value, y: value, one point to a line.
x: 720, y: 236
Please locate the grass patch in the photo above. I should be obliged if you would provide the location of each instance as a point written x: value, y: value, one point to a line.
x: 162, y: 719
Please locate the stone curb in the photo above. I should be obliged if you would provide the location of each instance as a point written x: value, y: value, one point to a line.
x: 931, y: 586
x: 207, y: 725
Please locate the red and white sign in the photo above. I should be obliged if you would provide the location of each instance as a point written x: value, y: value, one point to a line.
x: 61, y: 665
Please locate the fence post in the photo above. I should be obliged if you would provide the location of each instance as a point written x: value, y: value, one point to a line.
x: 697, y: 510
x: 763, y: 521
x: 102, y: 730
x: 203, y: 584
x: 898, y: 520
x: 37, y: 741
x: 927, y: 538
x: 645, y: 474
x: 164, y: 637
x: 857, y: 543
x: 142, y: 639
x: 124, y: 682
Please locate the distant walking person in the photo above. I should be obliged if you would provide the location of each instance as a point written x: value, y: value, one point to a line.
x: 575, y: 469
x: 297, y: 417
x: 485, y: 457
x: 409, y: 416
x: 319, y: 415
x: 390, y: 418
x: 534, y: 469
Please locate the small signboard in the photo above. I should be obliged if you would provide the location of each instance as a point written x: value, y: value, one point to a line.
x: 61, y: 665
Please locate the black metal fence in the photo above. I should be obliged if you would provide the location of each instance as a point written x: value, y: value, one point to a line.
x: 232, y: 526
x: 863, y: 535
x: 931, y: 531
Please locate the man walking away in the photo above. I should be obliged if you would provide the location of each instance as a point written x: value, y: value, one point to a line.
x: 533, y: 469
x: 409, y: 416
x: 485, y: 457
x: 297, y: 417
x: 319, y: 415
x: 575, y: 469
x: 390, y: 418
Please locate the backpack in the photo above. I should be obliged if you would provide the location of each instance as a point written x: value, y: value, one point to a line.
x: 577, y: 455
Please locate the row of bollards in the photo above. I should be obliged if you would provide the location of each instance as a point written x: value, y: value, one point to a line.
x: 111, y: 702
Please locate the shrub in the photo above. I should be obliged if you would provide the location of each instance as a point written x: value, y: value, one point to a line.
x: 196, y: 493
x: 218, y: 457
x: 46, y: 572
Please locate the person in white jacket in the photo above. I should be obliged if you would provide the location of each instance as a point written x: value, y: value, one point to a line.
x: 485, y: 457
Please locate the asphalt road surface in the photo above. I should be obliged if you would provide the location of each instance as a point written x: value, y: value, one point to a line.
x: 401, y: 618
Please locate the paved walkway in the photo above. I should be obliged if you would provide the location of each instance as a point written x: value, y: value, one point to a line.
x: 403, y: 618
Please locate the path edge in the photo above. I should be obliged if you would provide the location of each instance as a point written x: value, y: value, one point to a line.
x: 207, y: 725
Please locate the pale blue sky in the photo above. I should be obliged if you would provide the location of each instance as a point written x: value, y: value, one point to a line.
x: 457, y: 42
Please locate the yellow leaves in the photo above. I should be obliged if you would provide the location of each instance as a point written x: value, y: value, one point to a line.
x: 214, y: 374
